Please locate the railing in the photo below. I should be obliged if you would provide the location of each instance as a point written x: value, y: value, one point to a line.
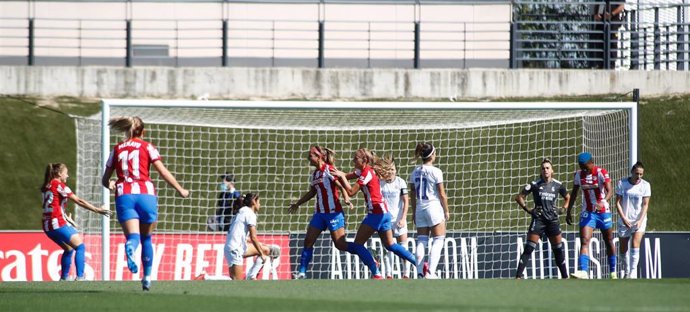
x: 403, y: 37
x: 669, y: 41
x: 403, y: 34
x: 649, y: 36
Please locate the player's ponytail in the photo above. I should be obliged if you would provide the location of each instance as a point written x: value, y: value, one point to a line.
x: 237, y: 205
x: 46, y: 178
x: 329, y: 155
x: 424, y: 150
x: 133, y: 127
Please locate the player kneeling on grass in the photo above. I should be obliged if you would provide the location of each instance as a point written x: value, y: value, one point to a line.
x: 238, y: 246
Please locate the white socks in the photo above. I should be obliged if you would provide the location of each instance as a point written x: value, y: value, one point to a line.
x: 634, y: 260
x: 256, y: 267
x: 389, y: 262
x: 420, y: 252
x: 436, y: 249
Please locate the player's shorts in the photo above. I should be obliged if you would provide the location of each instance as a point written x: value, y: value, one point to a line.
x: 62, y: 235
x: 137, y: 206
x: 541, y: 226
x: 378, y: 222
x: 332, y: 221
x: 428, y: 217
x: 398, y: 231
x: 602, y: 221
x: 234, y: 256
x: 624, y: 231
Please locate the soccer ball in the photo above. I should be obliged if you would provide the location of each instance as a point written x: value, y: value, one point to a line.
x: 274, y: 251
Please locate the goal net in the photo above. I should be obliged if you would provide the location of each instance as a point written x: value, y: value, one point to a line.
x: 486, y: 151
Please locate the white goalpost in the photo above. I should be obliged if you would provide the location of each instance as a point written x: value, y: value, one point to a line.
x: 486, y: 150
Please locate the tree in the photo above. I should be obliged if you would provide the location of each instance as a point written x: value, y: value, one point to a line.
x: 552, y: 34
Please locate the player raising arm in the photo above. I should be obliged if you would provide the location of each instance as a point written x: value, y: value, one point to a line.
x: 135, y: 198
x: 596, y: 192
x: 545, y: 191
x: 57, y: 225
x: 328, y: 212
x: 378, y: 218
x: 632, y: 202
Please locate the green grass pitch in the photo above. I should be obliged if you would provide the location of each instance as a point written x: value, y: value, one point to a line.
x: 351, y: 295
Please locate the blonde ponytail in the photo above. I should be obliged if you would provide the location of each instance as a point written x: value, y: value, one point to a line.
x: 133, y: 127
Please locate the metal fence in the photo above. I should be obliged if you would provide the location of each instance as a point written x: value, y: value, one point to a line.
x: 405, y: 34
x: 648, y: 35
x: 371, y: 34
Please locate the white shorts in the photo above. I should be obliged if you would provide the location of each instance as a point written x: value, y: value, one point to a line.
x: 397, y: 231
x: 234, y: 256
x: 429, y: 217
x: 624, y: 231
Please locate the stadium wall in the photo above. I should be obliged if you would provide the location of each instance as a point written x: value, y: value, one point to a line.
x: 331, y: 83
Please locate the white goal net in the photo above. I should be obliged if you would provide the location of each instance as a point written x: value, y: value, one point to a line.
x: 486, y: 151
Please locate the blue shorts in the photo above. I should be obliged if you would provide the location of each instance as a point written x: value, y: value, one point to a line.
x: 333, y: 221
x: 62, y: 235
x: 378, y: 222
x: 137, y: 206
x: 602, y: 221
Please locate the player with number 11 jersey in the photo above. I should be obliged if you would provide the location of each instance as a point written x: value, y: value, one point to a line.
x: 424, y: 178
x: 135, y: 198
x: 429, y: 209
x: 132, y: 161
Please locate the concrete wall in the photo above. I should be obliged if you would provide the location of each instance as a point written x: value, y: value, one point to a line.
x: 347, y: 84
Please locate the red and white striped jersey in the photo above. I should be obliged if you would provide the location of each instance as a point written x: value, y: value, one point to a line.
x: 323, y: 181
x: 371, y: 188
x: 593, y: 186
x: 54, y: 202
x: 132, y: 161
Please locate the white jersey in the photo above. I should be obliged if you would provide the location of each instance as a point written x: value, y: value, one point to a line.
x: 239, y: 229
x: 424, y: 179
x: 631, y: 197
x: 391, y: 194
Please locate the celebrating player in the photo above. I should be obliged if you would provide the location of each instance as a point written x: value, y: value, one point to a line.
x: 596, y: 191
x: 135, y: 197
x: 57, y: 225
x: 544, y: 216
x: 394, y: 191
x: 429, y: 208
x: 236, y: 248
x: 378, y: 218
x: 328, y: 211
x: 632, y: 202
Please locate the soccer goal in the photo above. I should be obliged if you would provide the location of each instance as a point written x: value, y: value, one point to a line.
x: 486, y: 151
